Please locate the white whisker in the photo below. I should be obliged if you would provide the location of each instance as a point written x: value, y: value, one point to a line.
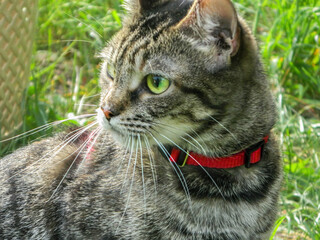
x: 181, y: 177
x: 201, y: 149
x: 45, y: 127
x: 97, y: 132
x: 152, y: 164
x: 186, y: 140
x: 55, y: 151
x: 205, y: 151
x: 131, y: 186
x: 74, y: 160
x: 184, y: 182
x: 197, y: 163
x: 233, y: 136
x: 127, y: 144
x: 129, y: 163
x: 142, y: 175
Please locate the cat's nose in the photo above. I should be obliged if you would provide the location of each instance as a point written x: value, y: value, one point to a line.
x: 108, y: 113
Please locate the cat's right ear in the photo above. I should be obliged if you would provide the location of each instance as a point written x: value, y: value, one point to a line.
x: 143, y: 5
x: 213, y: 22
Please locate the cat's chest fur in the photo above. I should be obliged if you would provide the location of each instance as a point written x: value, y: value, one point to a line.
x: 107, y: 200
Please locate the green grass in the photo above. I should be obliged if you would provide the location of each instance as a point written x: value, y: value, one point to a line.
x: 65, y: 72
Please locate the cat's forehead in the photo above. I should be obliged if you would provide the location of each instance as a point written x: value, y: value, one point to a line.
x: 159, y: 62
x: 140, y: 47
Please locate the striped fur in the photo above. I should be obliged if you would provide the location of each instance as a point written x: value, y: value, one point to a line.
x: 218, y: 103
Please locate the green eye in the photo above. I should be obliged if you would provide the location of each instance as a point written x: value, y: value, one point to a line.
x: 111, y: 71
x: 157, y: 84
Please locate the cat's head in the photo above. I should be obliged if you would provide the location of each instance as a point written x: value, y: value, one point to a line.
x: 182, y: 72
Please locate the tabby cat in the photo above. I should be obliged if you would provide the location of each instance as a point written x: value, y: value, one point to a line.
x: 182, y: 146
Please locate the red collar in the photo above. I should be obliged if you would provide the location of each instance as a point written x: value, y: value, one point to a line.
x: 246, y: 157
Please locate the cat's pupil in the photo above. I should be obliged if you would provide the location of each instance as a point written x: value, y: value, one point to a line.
x: 157, y: 81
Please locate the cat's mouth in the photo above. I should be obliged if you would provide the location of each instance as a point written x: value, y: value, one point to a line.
x: 119, y: 129
x: 126, y: 132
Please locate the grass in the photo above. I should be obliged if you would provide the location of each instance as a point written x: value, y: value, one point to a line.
x: 65, y: 74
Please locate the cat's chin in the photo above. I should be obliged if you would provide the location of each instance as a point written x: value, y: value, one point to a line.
x: 118, y: 137
x: 101, y: 119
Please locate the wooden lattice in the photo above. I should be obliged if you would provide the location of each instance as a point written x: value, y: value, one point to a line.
x: 17, y: 24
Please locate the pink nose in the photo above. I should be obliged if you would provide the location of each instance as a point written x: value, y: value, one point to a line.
x: 107, y: 113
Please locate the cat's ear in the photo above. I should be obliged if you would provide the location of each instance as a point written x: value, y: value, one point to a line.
x: 143, y: 5
x: 214, y: 22
x: 146, y: 5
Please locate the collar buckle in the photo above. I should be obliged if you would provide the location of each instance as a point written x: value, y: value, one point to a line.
x: 182, y: 159
x: 249, y: 151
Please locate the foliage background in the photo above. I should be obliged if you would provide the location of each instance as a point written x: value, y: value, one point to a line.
x: 64, y: 83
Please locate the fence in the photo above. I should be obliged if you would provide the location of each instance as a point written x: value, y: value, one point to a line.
x: 17, y: 25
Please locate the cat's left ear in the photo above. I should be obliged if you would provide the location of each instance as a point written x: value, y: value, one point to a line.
x: 143, y: 5
x: 214, y: 21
